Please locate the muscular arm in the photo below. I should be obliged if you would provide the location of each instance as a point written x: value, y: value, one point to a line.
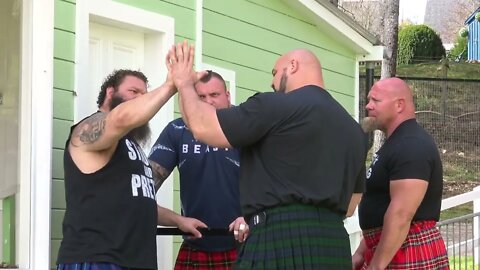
x: 103, y: 130
x: 406, y: 196
x: 159, y: 174
x: 199, y: 116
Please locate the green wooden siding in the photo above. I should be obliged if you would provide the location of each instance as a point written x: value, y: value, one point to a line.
x: 63, y: 93
x: 264, y: 30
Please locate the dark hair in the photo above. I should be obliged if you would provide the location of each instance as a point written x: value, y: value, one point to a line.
x: 115, y: 79
x: 212, y: 74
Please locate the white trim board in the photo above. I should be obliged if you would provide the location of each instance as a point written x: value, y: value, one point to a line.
x: 36, y: 114
x: 159, y: 37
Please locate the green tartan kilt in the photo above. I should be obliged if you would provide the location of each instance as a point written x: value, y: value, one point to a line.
x: 297, y: 237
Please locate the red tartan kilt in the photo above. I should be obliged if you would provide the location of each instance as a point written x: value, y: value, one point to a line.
x: 189, y: 259
x: 423, y: 248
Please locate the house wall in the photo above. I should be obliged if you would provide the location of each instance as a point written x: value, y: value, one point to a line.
x: 474, y: 40
x: 63, y: 94
x: 245, y: 36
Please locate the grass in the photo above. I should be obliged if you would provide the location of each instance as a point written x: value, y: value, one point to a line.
x: 459, y: 70
x: 457, y: 211
x: 462, y: 262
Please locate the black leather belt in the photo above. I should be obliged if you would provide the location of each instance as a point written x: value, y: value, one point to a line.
x: 259, y: 218
x: 203, y: 231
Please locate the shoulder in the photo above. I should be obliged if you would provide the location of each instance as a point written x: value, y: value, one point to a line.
x: 176, y: 125
x: 89, y: 129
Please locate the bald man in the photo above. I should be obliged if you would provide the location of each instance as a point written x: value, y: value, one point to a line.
x: 401, y: 205
x: 302, y: 156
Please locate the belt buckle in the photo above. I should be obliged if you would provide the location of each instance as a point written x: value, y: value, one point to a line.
x: 259, y: 218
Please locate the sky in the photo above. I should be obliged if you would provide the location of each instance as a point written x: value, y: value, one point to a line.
x: 412, y: 10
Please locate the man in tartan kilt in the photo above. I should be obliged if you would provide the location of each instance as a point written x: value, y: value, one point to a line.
x: 401, y: 205
x: 302, y: 156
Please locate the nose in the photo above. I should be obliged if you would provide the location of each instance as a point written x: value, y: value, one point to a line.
x: 209, y: 101
x: 369, y: 106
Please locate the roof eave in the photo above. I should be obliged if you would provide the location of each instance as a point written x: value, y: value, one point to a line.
x: 328, y: 17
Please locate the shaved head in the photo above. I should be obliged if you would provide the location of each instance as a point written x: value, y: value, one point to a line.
x: 396, y: 88
x: 390, y: 103
x: 295, y: 69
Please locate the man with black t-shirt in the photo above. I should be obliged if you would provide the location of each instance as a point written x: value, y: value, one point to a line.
x: 401, y: 205
x: 302, y: 156
x: 111, y: 213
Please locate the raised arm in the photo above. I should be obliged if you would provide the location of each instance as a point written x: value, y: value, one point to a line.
x: 102, y: 130
x: 199, y: 116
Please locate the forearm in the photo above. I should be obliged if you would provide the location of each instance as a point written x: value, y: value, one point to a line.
x: 200, y: 117
x: 394, y: 232
x: 167, y: 217
x: 140, y: 110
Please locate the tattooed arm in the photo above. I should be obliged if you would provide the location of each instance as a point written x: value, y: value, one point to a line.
x: 159, y: 174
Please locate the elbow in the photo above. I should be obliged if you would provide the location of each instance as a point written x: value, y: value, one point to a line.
x: 404, y: 217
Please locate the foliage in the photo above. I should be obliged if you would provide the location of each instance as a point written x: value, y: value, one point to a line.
x: 463, y: 32
x: 459, y: 50
x: 418, y: 42
x: 477, y: 16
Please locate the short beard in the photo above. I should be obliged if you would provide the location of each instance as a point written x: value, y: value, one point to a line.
x: 283, y: 82
x: 140, y: 134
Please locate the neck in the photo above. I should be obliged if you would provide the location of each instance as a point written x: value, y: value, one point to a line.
x: 395, y: 125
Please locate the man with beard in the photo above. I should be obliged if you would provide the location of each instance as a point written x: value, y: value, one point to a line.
x: 403, y: 194
x: 111, y: 213
x: 302, y: 156
x: 208, y: 184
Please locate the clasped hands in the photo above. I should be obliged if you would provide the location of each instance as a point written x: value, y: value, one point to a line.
x: 180, y: 66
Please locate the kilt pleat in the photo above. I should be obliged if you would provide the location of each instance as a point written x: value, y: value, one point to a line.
x: 297, y: 237
x: 423, y: 248
x: 193, y: 259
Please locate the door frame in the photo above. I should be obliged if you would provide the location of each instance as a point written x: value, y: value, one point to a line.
x: 35, y: 131
x: 159, y: 37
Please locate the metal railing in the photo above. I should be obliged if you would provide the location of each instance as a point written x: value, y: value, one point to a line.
x: 461, y: 241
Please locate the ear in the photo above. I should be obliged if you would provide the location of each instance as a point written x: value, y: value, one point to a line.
x: 228, y: 96
x: 108, y: 94
x: 293, y: 66
x: 400, y: 105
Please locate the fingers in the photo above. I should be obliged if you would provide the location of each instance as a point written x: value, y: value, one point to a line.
x: 240, y: 230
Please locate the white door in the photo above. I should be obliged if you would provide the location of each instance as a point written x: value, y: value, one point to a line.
x: 110, y: 48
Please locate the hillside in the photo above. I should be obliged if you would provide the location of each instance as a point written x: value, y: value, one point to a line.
x: 459, y: 70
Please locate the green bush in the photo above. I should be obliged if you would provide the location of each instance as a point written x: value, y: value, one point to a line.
x: 459, y: 50
x: 418, y: 43
x: 463, y: 32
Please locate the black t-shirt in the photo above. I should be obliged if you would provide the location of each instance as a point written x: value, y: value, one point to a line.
x: 409, y: 153
x: 299, y: 147
x: 111, y: 214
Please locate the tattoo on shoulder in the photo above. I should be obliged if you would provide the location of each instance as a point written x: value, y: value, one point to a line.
x: 90, y: 129
x: 159, y: 174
